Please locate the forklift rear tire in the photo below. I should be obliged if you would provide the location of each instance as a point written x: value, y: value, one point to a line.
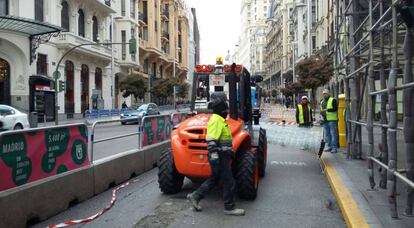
x: 169, y: 180
x: 247, y: 175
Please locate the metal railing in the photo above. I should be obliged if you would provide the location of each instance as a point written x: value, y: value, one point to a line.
x: 140, y: 130
x: 372, y: 53
x: 93, y: 140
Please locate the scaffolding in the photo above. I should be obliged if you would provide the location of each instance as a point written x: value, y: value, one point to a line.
x: 374, y: 43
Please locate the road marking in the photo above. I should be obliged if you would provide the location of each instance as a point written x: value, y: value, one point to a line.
x: 288, y: 163
x: 350, y: 210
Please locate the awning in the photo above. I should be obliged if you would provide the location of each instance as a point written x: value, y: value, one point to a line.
x: 27, y: 26
x: 37, y: 31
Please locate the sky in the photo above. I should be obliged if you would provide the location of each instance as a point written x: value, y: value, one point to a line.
x: 219, y: 26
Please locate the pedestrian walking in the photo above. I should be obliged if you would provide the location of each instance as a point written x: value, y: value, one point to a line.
x: 329, y: 112
x: 219, y: 146
x: 124, y: 105
x: 304, y: 115
x: 288, y: 101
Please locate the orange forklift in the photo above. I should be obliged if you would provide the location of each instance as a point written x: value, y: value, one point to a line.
x: 187, y: 156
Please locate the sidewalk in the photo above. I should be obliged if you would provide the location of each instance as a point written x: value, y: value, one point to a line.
x: 360, y: 205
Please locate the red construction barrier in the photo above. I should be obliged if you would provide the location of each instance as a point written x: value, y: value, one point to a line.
x: 30, y: 155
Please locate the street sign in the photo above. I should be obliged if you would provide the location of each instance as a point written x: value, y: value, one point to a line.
x: 217, y: 80
x: 56, y: 75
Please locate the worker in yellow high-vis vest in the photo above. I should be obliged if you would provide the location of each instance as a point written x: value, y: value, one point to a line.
x: 329, y: 111
x: 219, y: 147
x: 304, y: 115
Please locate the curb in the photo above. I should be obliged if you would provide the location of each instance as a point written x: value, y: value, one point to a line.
x: 350, y: 210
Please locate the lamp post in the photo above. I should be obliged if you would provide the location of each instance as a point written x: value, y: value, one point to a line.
x: 56, y: 73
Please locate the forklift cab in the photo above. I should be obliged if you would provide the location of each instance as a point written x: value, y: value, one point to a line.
x: 235, y: 81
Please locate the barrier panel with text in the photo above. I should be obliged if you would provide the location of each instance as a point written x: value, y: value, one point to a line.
x: 30, y: 155
x: 156, y: 129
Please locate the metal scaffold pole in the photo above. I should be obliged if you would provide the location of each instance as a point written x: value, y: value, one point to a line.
x: 384, y: 97
x: 371, y: 102
x: 408, y: 115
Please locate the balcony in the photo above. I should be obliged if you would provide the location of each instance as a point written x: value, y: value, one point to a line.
x: 165, y: 15
x: 143, y: 18
x: 68, y: 40
x: 165, y: 35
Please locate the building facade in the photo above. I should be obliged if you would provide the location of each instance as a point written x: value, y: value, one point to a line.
x: 163, y: 40
x: 251, y: 47
x: 91, y: 72
x: 83, y: 70
x: 193, y: 46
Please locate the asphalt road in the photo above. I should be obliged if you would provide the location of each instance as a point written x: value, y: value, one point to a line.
x: 294, y: 193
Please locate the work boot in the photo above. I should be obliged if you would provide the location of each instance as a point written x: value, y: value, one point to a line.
x: 235, y: 211
x: 194, y: 202
x: 327, y: 150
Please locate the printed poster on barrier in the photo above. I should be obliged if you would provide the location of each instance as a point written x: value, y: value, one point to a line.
x: 33, y: 155
x: 178, y: 118
x: 156, y: 129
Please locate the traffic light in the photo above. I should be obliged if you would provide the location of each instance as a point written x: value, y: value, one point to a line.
x: 61, y: 85
x: 132, y: 46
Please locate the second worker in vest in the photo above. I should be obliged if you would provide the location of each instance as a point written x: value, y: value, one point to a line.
x: 329, y: 111
x: 304, y: 115
x: 219, y: 146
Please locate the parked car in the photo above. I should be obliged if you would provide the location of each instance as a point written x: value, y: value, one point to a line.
x: 135, y: 112
x: 12, y: 119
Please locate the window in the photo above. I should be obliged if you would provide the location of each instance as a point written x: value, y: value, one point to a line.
x: 64, y: 16
x: 42, y: 64
x: 4, y: 7
x: 95, y: 32
x: 156, y: 26
x: 108, y: 2
x: 133, y: 56
x: 133, y: 6
x: 146, y: 66
x: 98, y: 78
x: 123, y: 37
x: 313, y: 42
x: 123, y: 7
x: 81, y: 23
x: 39, y: 10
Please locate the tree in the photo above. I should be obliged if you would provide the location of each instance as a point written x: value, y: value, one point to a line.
x: 314, y: 71
x: 133, y: 85
x: 183, y: 89
x: 291, y: 88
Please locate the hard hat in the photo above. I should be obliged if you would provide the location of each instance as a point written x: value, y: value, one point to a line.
x: 304, y: 97
x: 325, y: 91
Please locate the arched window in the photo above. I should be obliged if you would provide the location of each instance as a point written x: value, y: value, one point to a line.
x: 95, y: 29
x: 4, y: 7
x: 64, y: 16
x: 81, y: 23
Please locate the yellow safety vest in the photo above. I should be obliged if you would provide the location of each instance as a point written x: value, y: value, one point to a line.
x: 301, y: 117
x: 219, y: 130
x: 330, y: 116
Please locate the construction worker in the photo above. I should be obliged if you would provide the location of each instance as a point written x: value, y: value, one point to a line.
x: 329, y: 112
x: 219, y: 146
x: 304, y: 115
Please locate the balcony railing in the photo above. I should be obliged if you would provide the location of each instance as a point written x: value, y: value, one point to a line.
x: 68, y: 39
x: 165, y: 35
x: 143, y: 17
x: 166, y: 13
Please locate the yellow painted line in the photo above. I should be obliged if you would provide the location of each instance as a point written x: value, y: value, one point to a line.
x: 350, y: 210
